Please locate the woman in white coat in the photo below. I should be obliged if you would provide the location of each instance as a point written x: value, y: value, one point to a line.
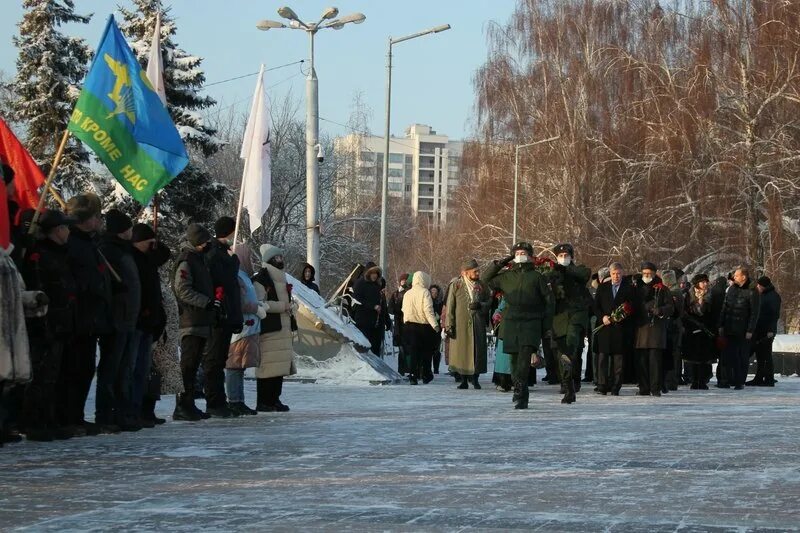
x: 275, y: 339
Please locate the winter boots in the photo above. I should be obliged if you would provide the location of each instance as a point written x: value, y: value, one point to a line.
x: 186, y: 410
x: 521, y: 395
x: 464, y: 383
x: 567, y: 382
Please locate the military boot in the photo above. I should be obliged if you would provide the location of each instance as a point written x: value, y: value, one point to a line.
x: 521, y: 393
x: 567, y: 383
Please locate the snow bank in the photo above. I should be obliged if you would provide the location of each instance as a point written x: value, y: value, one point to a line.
x: 315, y: 305
x: 786, y: 344
x: 347, y: 367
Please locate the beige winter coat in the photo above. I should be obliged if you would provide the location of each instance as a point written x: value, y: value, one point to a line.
x: 417, y: 302
x: 276, y: 347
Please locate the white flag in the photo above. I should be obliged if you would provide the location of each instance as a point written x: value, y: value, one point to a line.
x: 155, y: 64
x: 256, y: 150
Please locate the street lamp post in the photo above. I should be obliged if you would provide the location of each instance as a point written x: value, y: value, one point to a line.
x: 385, y: 185
x: 516, y: 181
x: 328, y: 19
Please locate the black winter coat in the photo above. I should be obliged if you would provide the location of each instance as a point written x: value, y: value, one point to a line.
x: 368, y: 294
x: 224, y: 269
x: 740, y: 310
x: 152, y: 317
x: 47, y: 269
x: 126, y: 293
x: 617, y: 338
x: 769, y: 312
x: 93, y: 285
x: 699, y: 329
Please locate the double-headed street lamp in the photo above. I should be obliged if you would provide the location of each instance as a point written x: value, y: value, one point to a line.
x: 516, y: 180
x: 385, y: 185
x: 328, y: 19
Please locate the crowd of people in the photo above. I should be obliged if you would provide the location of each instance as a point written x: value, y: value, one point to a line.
x: 81, y: 281
x: 84, y: 281
x: 655, y: 328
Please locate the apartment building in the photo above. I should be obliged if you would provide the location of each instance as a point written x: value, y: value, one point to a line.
x: 423, y: 171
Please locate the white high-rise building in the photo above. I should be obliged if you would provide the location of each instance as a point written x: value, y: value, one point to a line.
x: 423, y: 171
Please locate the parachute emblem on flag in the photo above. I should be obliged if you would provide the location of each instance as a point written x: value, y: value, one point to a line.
x: 123, y: 101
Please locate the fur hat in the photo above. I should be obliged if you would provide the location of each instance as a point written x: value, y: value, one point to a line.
x: 522, y: 245
x: 764, y: 281
x: 699, y: 278
x: 117, y: 222
x: 371, y: 267
x: 648, y: 265
x: 670, y: 278
x: 268, y: 251
x: 52, y: 218
x: 564, y: 248
x: 84, y: 206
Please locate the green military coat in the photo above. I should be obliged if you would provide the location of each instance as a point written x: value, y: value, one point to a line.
x: 529, y: 304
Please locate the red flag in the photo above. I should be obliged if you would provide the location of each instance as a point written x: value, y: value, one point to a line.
x: 5, y: 230
x: 28, y: 176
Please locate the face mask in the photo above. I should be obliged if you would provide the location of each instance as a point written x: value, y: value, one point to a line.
x: 520, y: 258
x: 278, y: 264
x: 647, y: 279
x: 564, y: 261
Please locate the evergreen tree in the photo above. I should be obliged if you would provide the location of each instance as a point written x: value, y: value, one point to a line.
x: 194, y: 195
x: 50, y: 68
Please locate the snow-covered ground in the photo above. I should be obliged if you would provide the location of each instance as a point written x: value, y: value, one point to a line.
x: 430, y: 458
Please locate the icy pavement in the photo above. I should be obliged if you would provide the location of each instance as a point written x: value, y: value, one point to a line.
x: 430, y: 458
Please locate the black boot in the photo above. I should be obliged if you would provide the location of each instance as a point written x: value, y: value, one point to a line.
x: 569, y: 397
x: 475, y: 384
x: 521, y: 395
x: 464, y: 382
x: 185, y: 408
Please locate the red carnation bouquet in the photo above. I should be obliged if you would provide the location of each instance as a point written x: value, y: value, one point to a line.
x: 219, y: 293
x: 620, y: 313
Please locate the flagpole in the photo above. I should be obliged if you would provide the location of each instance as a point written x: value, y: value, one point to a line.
x: 155, y: 213
x: 49, y: 182
x: 241, y: 201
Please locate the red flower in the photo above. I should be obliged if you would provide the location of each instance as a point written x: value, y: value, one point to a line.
x: 544, y: 261
x: 34, y: 257
x: 249, y: 322
x: 219, y: 293
x: 102, y: 269
x: 627, y: 308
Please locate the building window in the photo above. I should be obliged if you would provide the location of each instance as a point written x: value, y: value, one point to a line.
x: 368, y: 156
x: 396, y: 158
x: 395, y: 186
x: 396, y: 172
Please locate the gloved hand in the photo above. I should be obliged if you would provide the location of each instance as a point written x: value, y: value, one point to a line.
x: 474, y: 306
x: 507, y: 259
x: 450, y: 332
x: 213, y: 304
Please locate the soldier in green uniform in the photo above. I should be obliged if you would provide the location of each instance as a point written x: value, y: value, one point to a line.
x: 571, y: 318
x: 528, y: 314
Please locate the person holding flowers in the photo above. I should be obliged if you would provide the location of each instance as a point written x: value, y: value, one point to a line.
x: 613, y: 307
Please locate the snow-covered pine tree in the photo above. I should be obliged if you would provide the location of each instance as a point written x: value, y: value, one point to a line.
x: 50, y: 68
x: 195, y: 195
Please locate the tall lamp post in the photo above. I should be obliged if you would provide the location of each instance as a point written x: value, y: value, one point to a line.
x: 385, y: 186
x: 516, y: 180
x: 328, y: 19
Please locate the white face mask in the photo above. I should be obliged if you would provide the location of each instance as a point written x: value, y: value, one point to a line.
x: 647, y: 279
x: 564, y: 261
x: 520, y: 258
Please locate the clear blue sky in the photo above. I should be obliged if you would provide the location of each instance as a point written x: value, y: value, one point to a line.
x: 432, y: 75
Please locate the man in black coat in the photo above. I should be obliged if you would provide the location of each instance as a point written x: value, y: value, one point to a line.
x: 615, y: 339
x: 766, y: 328
x: 737, y: 325
x: 118, y: 349
x: 224, y: 268
x: 93, y: 310
x: 149, y: 255
x: 46, y: 268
